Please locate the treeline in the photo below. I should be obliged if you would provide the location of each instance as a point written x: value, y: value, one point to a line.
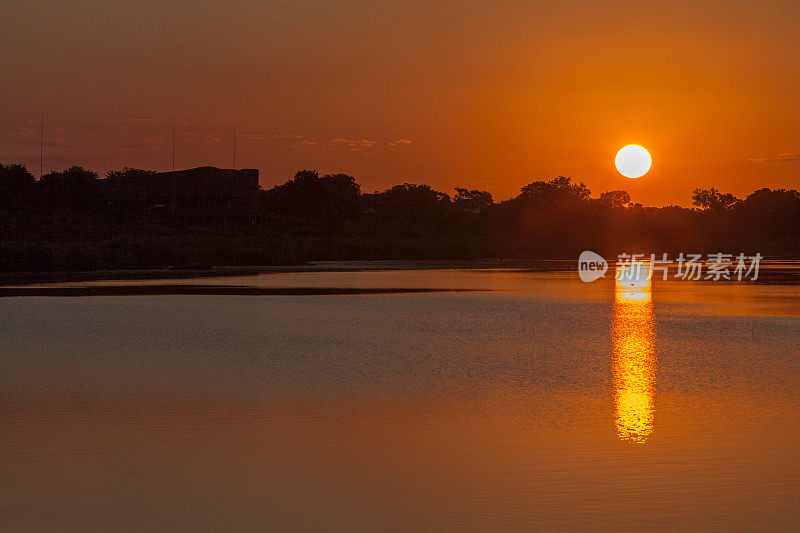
x: 75, y: 220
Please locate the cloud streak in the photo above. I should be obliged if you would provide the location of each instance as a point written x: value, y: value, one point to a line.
x: 146, y: 141
x: 788, y: 157
x: 354, y: 145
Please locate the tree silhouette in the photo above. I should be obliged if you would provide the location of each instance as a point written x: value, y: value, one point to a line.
x: 16, y: 184
x: 75, y: 187
x: 560, y: 191
x: 127, y: 173
x: 412, y: 199
x: 713, y: 199
x: 311, y: 196
x: 472, y: 201
x: 615, y: 199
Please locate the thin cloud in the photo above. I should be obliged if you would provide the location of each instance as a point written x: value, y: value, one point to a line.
x: 202, y: 138
x: 355, y: 145
x: 145, y: 120
x: 789, y: 157
x: 133, y: 135
x: 145, y: 143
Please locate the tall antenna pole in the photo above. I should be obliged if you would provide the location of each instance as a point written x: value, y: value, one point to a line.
x: 234, y: 145
x: 173, y: 143
x: 41, y: 148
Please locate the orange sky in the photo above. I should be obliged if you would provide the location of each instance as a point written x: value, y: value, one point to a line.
x: 488, y: 95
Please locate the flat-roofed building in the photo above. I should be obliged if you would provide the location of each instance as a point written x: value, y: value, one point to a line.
x: 218, y: 196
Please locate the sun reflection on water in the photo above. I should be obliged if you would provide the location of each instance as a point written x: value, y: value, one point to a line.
x: 633, y: 360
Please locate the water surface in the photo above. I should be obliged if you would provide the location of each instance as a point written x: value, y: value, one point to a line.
x: 539, y: 402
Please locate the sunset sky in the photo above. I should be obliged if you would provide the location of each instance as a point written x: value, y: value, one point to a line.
x: 489, y: 95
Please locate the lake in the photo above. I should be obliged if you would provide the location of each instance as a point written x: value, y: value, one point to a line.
x: 528, y: 401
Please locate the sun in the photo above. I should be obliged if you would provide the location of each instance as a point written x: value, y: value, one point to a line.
x: 633, y: 161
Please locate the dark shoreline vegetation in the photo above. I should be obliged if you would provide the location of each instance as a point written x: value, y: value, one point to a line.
x: 207, y: 290
x: 134, y: 219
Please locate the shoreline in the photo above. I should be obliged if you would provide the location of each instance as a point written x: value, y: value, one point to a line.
x: 204, y: 290
x: 29, y: 278
x: 772, y: 271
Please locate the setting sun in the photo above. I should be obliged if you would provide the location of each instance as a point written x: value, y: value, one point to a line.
x: 633, y: 161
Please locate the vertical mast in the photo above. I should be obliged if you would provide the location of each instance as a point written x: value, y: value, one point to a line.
x: 41, y: 147
x: 173, y: 143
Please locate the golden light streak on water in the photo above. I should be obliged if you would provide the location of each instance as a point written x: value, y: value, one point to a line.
x: 633, y: 359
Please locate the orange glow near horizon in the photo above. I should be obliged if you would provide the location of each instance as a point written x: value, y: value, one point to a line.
x: 633, y: 362
x: 452, y: 94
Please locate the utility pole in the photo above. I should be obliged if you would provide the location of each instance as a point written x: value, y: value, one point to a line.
x: 173, y: 143
x: 41, y: 147
x: 234, y: 145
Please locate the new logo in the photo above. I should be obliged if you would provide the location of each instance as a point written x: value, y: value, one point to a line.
x: 591, y: 266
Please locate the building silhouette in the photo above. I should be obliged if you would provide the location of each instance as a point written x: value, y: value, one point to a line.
x: 197, y: 196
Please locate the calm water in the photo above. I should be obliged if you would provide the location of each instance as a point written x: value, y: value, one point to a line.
x: 538, y: 403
